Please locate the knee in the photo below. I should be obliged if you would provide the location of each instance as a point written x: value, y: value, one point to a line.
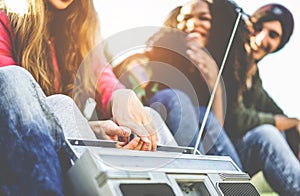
x: 14, y: 71
x: 13, y: 76
x: 15, y: 83
x: 168, y: 100
x: 62, y: 99
x: 171, y: 97
x: 266, y: 131
x: 266, y: 135
x: 62, y: 103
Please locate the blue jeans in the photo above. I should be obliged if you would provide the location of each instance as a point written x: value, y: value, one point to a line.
x: 184, y: 120
x: 265, y: 148
x: 30, y: 137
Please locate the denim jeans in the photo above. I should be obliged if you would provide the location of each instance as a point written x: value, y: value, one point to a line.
x: 184, y: 120
x: 265, y: 148
x: 30, y: 137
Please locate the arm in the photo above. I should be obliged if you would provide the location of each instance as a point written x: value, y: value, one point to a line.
x: 128, y: 111
x: 257, y: 108
x: 284, y: 123
x: 209, y: 71
x: 240, y: 119
x: 106, y: 85
x: 125, y: 108
x: 6, y: 41
x: 267, y: 104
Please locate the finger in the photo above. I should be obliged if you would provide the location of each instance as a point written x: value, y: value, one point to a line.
x: 194, y: 45
x: 198, y: 38
x: 140, y: 144
x: 193, y: 36
x: 105, y: 137
x: 133, y: 144
x: 149, y: 126
x: 154, y: 142
x: 152, y: 126
x: 126, y: 131
x: 146, y: 146
x: 191, y: 54
x: 195, y: 57
x: 153, y: 135
x: 114, y: 138
x: 113, y: 129
x: 124, y: 139
x: 139, y: 130
x: 120, y: 144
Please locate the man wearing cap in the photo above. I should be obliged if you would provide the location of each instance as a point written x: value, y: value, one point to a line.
x: 263, y: 146
x: 272, y: 28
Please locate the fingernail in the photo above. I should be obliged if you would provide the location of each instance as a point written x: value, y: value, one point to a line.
x: 190, y: 53
x: 146, y: 139
x: 126, y: 130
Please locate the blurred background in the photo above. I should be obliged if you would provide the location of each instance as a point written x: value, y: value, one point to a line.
x: 280, y: 71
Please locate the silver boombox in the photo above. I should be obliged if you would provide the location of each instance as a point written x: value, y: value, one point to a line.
x: 101, y: 169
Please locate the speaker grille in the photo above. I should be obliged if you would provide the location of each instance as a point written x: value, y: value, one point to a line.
x: 238, y: 189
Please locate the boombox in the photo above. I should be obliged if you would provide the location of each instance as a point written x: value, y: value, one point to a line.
x: 100, y: 169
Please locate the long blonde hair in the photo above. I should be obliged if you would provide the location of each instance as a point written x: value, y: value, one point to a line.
x: 75, y: 31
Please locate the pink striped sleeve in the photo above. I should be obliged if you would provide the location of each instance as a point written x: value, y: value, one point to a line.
x: 6, y: 40
x: 107, y: 83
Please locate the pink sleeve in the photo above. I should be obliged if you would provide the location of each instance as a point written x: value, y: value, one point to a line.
x: 107, y: 83
x: 6, y: 40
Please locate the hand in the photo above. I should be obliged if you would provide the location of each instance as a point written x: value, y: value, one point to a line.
x: 205, y: 63
x: 134, y: 144
x: 108, y: 130
x: 284, y: 123
x: 298, y: 127
x: 128, y: 111
x: 208, y: 69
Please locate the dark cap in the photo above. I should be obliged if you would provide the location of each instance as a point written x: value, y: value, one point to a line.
x: 271, y: 12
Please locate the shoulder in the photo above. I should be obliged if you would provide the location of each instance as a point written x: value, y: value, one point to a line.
x: 3, y: 17
x: 6, y: 41
x: 4, y: 21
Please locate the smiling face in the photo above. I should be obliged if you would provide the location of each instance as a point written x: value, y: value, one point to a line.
x: 60, y: 4
x: 195, y: 17
x: 265, y: 39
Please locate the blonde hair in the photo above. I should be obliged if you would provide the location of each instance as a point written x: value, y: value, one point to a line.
x: 75, y: 31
